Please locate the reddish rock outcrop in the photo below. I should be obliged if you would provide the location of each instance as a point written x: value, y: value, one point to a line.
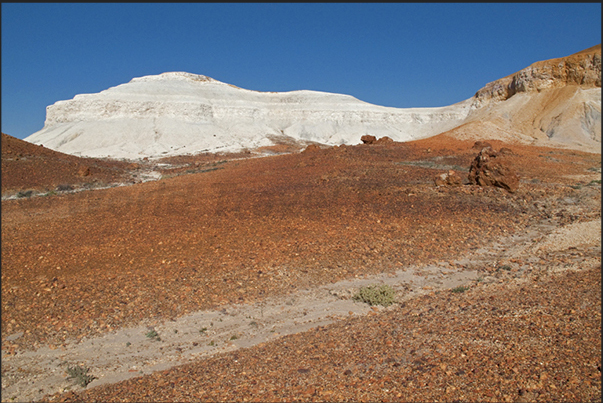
x: 368, y: 139
x: 384, y: 140
x: 582, y: 68
x: 490, y: 168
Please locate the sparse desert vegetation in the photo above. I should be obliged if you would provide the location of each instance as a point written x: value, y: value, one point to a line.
x: 376, y: 295
x: 80, y: 375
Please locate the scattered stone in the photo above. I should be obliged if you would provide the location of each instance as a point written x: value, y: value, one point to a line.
x: 449, y: 178
x: 83, y: 171
x: 14, y: 336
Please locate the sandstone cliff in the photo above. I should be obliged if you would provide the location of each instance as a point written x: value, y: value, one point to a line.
x: 555, y: 103
x: 582, y: 69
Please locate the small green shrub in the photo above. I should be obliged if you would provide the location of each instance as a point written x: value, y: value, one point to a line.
x: 234, y: 337
x: 505, y: 267
x: 80, y: 375
x: 459, y: 289
x: 376, y: 295
x: 153, y: 335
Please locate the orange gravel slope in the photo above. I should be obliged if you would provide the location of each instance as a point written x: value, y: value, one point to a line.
x: 82, y: 264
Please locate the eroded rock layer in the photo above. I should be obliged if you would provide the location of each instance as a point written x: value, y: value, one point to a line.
x: 555, y: 101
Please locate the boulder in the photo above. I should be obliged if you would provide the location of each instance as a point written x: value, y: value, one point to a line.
x: 384, y: 140
x: 368, y: 139
x: 449, y: 178
x: 490, y: 168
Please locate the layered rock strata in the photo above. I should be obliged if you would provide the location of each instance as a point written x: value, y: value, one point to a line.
x: 179, y: 113
x: 551, y: 102
x: 582, y: 69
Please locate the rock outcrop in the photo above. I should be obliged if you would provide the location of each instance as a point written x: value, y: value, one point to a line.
x: 582, y: 68
x: 490, y: 168
x: 384, y: 140
x: 552, y: 103
x: 368, y: 139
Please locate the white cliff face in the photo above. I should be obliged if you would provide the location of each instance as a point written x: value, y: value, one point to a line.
x: 182, y: 113
x: 552, y: 101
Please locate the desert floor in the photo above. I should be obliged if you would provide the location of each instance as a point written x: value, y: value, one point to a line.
x: 230, y: 278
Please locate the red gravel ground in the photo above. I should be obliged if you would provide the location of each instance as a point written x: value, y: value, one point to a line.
x: 227, y: 229
x: 533, y: 342
x: 27, y: 166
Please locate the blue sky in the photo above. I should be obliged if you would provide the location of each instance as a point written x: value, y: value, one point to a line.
x: 392, y: 54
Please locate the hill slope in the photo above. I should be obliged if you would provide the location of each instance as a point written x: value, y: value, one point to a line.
x: 178, y: 113
x: 553, y: 102
x: 77, y: 268
x: 27, y: 166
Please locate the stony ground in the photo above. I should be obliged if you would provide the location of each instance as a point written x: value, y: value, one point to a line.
x: 234, y: 230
